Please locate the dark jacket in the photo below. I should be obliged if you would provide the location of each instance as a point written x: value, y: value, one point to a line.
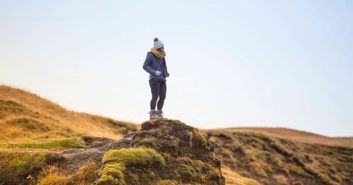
x: 152, y: 65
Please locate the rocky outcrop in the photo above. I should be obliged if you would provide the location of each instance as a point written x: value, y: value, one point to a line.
x: 162, y: 152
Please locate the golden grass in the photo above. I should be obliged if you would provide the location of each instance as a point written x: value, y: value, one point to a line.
x: 25, y: 116
x: 233, y: 178
x: 273, y: 160
x: 293, y: 135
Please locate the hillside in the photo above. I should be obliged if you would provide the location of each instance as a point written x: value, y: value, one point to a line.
x: 24, y: 116
x: 294, y: 135
x: 43, y: 143
x: 165, y: 152
x: 257, y: 158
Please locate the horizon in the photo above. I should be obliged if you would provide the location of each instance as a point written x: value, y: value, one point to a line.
x: 231, y: 63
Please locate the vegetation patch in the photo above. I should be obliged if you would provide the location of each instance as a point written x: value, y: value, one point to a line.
x: 280, y: 179
x: 115, y: 162
x: 86, y: 175
x: 9, y: 107
x: 199, y: 139
x: 166, y: 182
x: 51, y: 176
x: 28, y: 124
x: 126, y: 156
x: 15, y: 167
x: 150, y: 141
x: 59, y: 144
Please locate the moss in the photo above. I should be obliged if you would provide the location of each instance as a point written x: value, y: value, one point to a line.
x: 187, y: 173
x: 87, y: 174
x: 16, y: 167
x: 60, y: 143
x: 112, y: 174
x: 150, y: 141
x: 127, y: 156
x: 115, y: 162
x: 198, y: 138
x: 198, y: 165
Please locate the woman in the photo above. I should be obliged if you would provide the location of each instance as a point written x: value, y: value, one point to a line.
x: 156, y: 66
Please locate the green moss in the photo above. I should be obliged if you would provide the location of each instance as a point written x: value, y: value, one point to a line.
x: 198, y: 165
x: 187, y: 173
x: 16, y: 167
x: 127, y: 156
x: 60, y: 143
x: 112, y: 174
x: 198, y: 138
x: 148, y: 141
x: 115, y: 162
x: 87, y: 174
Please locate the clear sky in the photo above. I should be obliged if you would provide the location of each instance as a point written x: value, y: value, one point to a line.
x: 276, y: 63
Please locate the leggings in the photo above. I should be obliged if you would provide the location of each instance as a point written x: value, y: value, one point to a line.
x: 159, y: 90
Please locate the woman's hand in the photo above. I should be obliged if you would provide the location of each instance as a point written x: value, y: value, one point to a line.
x: 157, y: 73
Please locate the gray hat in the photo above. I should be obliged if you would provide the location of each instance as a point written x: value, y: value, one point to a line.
x: 157, y: 43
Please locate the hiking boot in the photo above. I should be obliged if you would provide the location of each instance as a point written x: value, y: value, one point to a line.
x: 159, y: 113
x: 153, y: 114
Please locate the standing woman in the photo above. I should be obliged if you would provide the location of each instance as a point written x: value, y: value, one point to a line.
x: 156, y: 66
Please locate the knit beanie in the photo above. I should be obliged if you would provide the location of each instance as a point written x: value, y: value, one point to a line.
x: 157, y: 43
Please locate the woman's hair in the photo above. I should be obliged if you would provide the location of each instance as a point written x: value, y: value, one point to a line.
x: 155, y: 39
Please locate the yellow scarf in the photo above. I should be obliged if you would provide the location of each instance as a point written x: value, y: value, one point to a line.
x: 159, y: 54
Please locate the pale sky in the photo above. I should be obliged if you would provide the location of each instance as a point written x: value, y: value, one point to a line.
x: 276, y: 63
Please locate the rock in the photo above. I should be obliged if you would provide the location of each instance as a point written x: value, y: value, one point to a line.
x: 163, y: 151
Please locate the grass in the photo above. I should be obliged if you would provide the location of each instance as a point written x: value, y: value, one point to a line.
x: 51, y: 176
x: 25, y: 116
x: 86, y: 175
x: 15, y: 167
x: 166, y: 182
x: 274, y: 160
x: 57, y: 144
x: 293, y: 135
x: 233, y: 178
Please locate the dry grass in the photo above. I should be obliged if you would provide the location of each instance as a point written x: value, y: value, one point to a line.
x: 294, y: 135
x: 25, y: 116
x: 233, y: 178
x: 271, y: 160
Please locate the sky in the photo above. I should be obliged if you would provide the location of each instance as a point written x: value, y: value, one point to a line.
x: 277, y: 63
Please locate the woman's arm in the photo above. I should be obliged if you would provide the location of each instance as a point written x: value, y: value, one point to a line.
x: 166, y: 69
x: 147, y: 65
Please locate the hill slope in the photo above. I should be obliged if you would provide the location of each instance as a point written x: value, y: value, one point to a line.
x: 26, y: 116
x: 41, y: 142
x: 294, y: 135
x: 165, y: 152
x: 273, y: 160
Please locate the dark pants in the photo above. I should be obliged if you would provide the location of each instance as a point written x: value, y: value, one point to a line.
x: 159, y: 90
